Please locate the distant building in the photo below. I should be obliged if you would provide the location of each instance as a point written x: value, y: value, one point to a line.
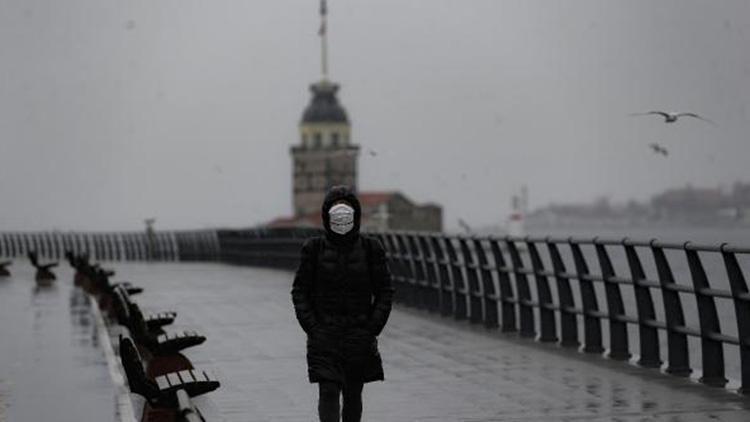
x: 394, y: 211
x: 326, y: 156
x: 688, y: 202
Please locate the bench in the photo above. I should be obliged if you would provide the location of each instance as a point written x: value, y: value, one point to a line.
x: 43, y: 272
x: 163, y: 390
x: 101, y: 277
x: 149, y: 332
x: 156, y: 341
x: 123, y: 304
x: 3, y: 270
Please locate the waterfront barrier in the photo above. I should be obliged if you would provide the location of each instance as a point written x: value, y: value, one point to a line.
x: 193, y: 245
x: 548, y: 289
x: 662, y: 302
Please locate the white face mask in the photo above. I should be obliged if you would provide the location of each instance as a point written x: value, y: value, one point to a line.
x: 341, y: 218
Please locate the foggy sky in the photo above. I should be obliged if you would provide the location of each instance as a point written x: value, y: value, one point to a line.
x: 112, y: 111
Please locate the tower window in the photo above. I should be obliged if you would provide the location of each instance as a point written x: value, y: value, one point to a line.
x: 335, y: 139
x: 317, y: 140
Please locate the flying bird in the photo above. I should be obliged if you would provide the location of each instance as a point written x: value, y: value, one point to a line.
x: 672, y: 116
x: 372, y: 152
x: 658, y: 149
x: 465, y: 226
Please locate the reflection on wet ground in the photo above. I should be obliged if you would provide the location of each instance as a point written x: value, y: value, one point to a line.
x: 437, y: 370
x: 51, y: 366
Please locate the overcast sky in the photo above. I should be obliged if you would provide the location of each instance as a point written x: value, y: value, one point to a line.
x: 112, y: 111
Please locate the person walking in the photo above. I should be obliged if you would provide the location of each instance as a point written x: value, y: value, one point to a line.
x: 342, y: 297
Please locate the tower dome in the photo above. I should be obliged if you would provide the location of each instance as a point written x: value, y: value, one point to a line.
x: 324, y: 107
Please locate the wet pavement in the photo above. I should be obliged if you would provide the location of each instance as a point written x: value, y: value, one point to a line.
x: 51, y: 364
x: 436, y: 369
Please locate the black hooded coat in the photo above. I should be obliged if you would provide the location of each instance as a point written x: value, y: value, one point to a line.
x: 342, y: 297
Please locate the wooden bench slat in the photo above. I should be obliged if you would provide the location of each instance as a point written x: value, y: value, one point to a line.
x: 174, y: 380
x: 186, y: 376
x: 162, y: 382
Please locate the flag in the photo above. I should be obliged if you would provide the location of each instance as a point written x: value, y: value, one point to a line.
x: 323, y: 8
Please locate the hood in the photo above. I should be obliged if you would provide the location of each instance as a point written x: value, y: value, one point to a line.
x: 335, y: 194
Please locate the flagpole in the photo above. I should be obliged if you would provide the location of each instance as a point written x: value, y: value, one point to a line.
x: 324, y: 39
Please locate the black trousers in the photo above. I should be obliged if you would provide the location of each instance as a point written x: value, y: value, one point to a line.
x: 328, y: 402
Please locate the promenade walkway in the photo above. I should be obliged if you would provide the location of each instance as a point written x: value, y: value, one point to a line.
x: 52, y: 366
x: 436, y: 369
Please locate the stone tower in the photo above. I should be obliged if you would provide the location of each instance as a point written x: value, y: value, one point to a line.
x: 325, y: 155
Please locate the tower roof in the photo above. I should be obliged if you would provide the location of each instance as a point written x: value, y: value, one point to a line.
x: 324, y: 107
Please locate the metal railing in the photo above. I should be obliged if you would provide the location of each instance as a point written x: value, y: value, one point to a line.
x: 653, y: 297
x: 548, y: 288
x: 489, y: 280
x: 193, y: 245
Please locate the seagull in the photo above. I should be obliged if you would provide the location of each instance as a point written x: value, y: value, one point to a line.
x: 672, y: 116
x: 372, y: 152
x: 658, y: 149
x: 465, y: 226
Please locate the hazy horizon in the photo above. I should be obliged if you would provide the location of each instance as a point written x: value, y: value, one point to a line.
x: 112, y: 112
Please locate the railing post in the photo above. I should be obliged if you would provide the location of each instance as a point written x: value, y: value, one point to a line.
x: 25, y: 245
x: 397, y: 268
x: 474, y: 290
x: 526, y: 309
x: 446, y: 292
x: 417, y: 264
x: 407, y: 270
x: 56, y: 239
x: 568, y: 322
x: 127, y: 244
x: 546, y: 310
x: 712, y: 351
x: 14, y: 245
x: 459, y: 282
x: 618, y: 330
x: 507, y: 298
x: 44, y: 244
x: 429, y: 268
x: 107, y: 246
x: 678, y: 361
x: 741, y: 300
x: 592, y: 325
x: 63, y: 243
x: 648, y: 335
x: 489, y: 289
